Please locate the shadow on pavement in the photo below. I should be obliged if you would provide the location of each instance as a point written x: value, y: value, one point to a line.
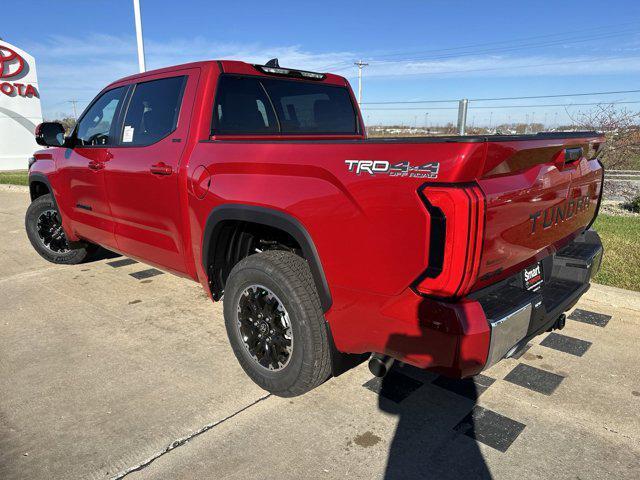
x: 101, y: 254
x: 437, y: 416
x: 429, y: 441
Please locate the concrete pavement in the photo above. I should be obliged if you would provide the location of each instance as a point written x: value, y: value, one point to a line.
x: 107, y: 375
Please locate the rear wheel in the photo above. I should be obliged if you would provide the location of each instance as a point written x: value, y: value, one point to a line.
x: 275, y: 323
x: 44, y: 229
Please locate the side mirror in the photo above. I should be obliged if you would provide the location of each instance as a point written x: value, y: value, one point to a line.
x: 50, y: 134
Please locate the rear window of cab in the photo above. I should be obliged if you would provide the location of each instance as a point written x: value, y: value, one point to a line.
x: 256, y: 105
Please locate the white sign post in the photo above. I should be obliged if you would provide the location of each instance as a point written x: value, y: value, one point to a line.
x: 20, y: 109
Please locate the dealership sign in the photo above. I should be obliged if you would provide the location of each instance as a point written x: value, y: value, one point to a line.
x: 12, y: 64
x: 20, y: 109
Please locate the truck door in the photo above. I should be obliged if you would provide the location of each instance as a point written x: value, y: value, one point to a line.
x: 82, y: 169
x: 142, y: 177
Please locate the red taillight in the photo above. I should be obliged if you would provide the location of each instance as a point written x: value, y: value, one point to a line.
x: 456, y: 230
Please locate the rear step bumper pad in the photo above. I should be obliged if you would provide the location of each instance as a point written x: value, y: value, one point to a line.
x: 515, y: 315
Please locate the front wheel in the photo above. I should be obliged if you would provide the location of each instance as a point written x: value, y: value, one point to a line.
x: 275, y: 323
x: 44, y: 229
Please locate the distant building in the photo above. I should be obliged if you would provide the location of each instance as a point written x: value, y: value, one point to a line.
x: 20, y: 109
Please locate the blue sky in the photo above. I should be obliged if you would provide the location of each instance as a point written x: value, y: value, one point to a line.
x: 418, y: 50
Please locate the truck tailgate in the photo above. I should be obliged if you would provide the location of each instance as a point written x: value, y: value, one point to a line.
x: 539, y: 196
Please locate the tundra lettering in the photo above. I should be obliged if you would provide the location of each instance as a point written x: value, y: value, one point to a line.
x: 326, y: 247
x: 559, y: 213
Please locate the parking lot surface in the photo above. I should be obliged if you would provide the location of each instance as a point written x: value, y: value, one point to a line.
x: 112, y: 369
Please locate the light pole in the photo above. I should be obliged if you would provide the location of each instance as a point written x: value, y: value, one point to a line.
x: 463, y: 107
x: 138, y: 18
x: 360, y: 64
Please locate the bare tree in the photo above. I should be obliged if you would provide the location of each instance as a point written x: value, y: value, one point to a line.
x: 622, y: 131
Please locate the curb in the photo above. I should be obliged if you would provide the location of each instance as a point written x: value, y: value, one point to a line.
x: 14, y: 188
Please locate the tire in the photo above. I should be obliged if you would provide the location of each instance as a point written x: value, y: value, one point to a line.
x: 56, y: 250
x: 278, y: 278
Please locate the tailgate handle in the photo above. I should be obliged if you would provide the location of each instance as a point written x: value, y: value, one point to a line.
x: 567, y: 156
x: 572, y: 154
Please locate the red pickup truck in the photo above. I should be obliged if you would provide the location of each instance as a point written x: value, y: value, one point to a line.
x: 447, y: 253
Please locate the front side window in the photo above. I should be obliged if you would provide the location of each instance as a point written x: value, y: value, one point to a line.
x: 97, y: 124
x: 255, y: 105
x: 153, y: 111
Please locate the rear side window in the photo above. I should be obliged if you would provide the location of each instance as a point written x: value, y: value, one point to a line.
x: 242, y: 106
x: 255, y: 105
x: 153, y: 111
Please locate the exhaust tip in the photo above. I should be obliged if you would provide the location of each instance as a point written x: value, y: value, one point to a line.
x: 559, y: 324
x: 379, y: 365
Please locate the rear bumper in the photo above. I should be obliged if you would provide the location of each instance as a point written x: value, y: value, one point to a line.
x: 515, y: 315
x: 460, y: 339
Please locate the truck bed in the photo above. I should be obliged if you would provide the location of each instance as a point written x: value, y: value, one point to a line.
x: 514, y: 177
x: 484, y: 138
x: 422, y: 139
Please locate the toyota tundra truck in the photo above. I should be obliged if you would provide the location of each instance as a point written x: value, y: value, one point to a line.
x: 327, y: 247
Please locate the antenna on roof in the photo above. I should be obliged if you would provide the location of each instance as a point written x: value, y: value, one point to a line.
x: 272, y: 63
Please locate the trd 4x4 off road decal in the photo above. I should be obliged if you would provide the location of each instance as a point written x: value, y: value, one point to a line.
x: 401, y: 169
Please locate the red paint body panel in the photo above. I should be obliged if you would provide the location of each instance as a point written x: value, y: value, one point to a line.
x: 372, y: 232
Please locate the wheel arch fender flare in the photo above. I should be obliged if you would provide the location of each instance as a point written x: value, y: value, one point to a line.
x: 37, y: 177
x: 272, y: 218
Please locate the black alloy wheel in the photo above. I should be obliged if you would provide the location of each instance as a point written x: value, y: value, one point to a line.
x: 275, y: 323
x: 49, y: 228
x: 265, y: 327
x: 44, y: 229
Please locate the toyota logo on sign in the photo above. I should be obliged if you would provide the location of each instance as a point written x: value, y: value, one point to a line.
x: 11, y: 63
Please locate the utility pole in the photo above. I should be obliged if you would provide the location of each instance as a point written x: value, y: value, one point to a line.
x: 75, y: 111
x: 360, y: 64
x: 138, y: 19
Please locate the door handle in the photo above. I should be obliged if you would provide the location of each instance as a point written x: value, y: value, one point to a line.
x: 96, y: 165
x: 161, y: 169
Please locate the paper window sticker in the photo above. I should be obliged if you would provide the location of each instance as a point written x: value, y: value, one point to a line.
x: 127, y: 135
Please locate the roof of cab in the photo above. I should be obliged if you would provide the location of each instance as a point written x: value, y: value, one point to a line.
x: 228, y: 66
